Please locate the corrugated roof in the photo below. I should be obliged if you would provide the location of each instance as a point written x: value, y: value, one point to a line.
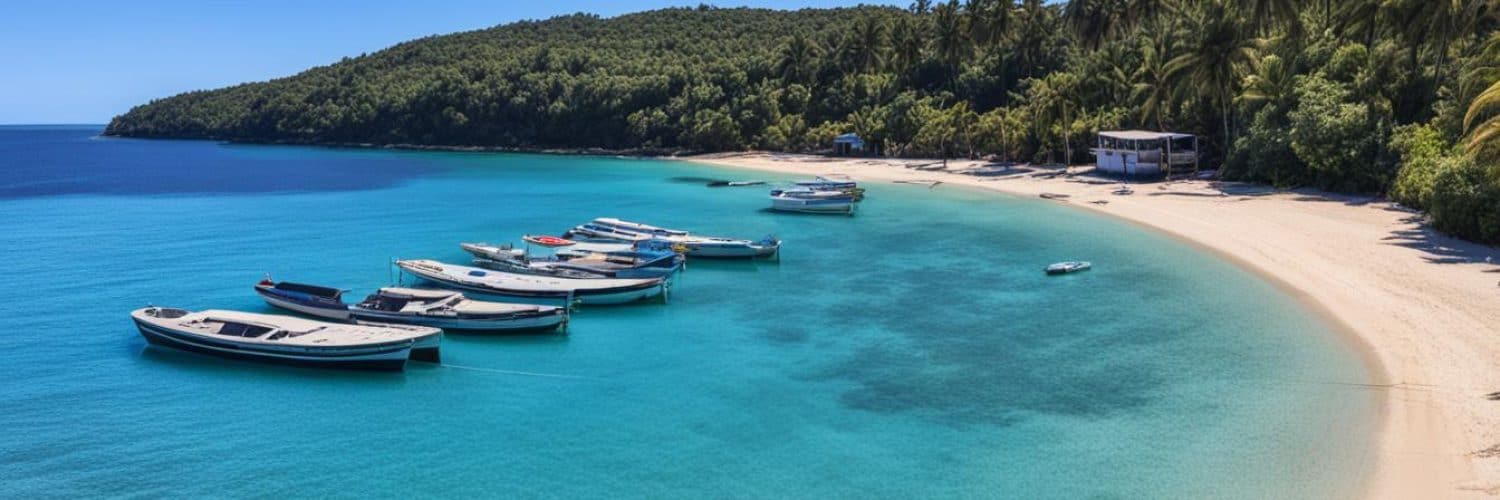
x: 1142, y: 135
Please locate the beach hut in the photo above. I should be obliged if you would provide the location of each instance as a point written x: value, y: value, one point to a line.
x: 1145, y: 153
x: 848, y: 145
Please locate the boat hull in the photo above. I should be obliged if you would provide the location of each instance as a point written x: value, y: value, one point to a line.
x: 595, y: 296
x: 388, y: 357
x: 340, y: 313
x: 813, y: 206
x: 538, y: 322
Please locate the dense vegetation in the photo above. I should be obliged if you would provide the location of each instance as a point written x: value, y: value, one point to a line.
x: 1370, y: 96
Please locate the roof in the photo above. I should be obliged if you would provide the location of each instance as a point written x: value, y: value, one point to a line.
x: 849, y: 137
x: 1142, y: 135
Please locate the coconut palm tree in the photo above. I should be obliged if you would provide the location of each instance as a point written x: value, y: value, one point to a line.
x: 989, y: 20
x: 866, y: 44
x: 950, y: 41
x: 1271, y: 81
x: 1216, y: 59
x: 906, y: 44
x: 796, y: 61
x: 1266, y: 15
x: 1153, y: 86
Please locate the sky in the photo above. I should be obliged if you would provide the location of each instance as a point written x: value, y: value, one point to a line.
x: 85, y: 61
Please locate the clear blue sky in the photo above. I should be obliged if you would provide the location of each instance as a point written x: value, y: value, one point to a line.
x: 86, y: 61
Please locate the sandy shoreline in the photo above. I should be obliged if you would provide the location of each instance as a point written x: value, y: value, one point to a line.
x: 1421, y: 308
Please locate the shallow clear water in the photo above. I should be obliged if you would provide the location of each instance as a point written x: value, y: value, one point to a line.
x: 915, y: 350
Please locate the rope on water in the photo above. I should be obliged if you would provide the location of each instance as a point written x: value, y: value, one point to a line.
x: 514, y: 372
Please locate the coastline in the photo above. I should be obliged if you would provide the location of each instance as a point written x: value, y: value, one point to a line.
x: 1421, y: 310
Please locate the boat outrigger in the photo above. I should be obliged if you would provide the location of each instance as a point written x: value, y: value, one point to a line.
x: 611, y: 229
x: 288, y: 340
x: 479, y: 282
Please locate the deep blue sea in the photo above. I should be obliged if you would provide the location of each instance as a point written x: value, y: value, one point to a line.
x: 915, y: 350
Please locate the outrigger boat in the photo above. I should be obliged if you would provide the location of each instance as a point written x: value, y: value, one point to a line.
x: 475, y: 281
x: 801, y: 199
x: 288, y: 340
x: 610, y: 229
x: 444, y: 309
x: 1068, y: 267
x: 644, y: 259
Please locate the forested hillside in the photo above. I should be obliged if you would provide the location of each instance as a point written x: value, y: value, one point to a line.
x: 1370, y: 96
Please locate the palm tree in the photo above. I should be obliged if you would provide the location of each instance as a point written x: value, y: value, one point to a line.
x: 1153, y: 87
x: 906, y: 45
x: 1361, y: 19
x: 1033, y: 23
x: 1266, y: 15
x: 1216, y: 59
x: 1094, y: 21
x: 921, y: 6
x: 1271, y: 82
x: 1437, y: 23
x: 1482, y: 137
x: 796, y: 60
x: 866, y: 44
x: 950, y: 41
x: 989, y: 20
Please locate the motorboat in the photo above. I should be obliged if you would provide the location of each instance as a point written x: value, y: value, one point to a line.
x: 444, y: 309
x: 480, y: 282
x: 611, y: 229
x: 450, y: 311
x: 801, y: 199
x: 642, y: 259
x: 288, y: 340
x: 311, y: 300
x: 1068, y: 267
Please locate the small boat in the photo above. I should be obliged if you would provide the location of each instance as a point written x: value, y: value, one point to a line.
x: 1055, y: 196
x: 801, y: 199
x: 311, y: 300
x: 444, y: 309
x: 1068, y: 267
x: 835, y: 182
x: 735, y: 183
x: 450, y: 310
x: 610, y: 229
x: 288, y: 340
x: 485, y: 282
x: 643, y: 259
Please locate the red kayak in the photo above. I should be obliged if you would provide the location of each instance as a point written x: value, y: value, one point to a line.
x: 548, y: 241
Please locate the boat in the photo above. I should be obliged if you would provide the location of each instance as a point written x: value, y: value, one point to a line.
x: 735, y: 183
x: 611, y: 229
x: 801, y: 199
x: 288, y: 340
x: 835, y: 182
x: 643, y: 259
x: 444, y: 309
x: 480, y: 282
x: 311, y: 300
x: 1068, y: 267
x: 450, y: 311
x: 1055, y: 196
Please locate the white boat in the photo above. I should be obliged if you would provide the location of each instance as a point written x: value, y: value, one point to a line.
x: 288, y: 340
x: 451, y: 310
x: 1068, y: 267
x: 801, y: 199
x: 610, y: 229
x: 642, y: 259
x: 835, y: 182
x: 312, y: 300
x: 475, y: 281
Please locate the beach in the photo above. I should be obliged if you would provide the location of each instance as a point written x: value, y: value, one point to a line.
x: 1422, y: 309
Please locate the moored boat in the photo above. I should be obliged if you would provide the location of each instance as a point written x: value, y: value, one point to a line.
x: 475, y: 281
x: 1068, y: 267
x: 450, y: 310
x: 311, y: 300
x: 288, y: 340
x: 643, y: 259
x: 610, y: 229
x: 801, y: 199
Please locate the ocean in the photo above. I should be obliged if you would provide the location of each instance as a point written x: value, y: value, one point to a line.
x: 914, y: 350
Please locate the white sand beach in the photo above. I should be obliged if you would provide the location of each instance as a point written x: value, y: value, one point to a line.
x: 1422, y: 308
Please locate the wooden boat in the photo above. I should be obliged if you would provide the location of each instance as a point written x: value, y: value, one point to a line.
x: 288, y: 340
x: 452, y: 311
x: 812, y: 201
x: 611, y: 229
x: 445, y: 309
x: 644, y: 259
x: 1068, y: 267
x: 475, y: 281
x: 311, y: 300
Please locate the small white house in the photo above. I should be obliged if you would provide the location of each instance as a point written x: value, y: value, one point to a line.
x: 1140, y: 152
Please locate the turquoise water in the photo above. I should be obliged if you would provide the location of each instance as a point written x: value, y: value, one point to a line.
x: 915, y: 350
